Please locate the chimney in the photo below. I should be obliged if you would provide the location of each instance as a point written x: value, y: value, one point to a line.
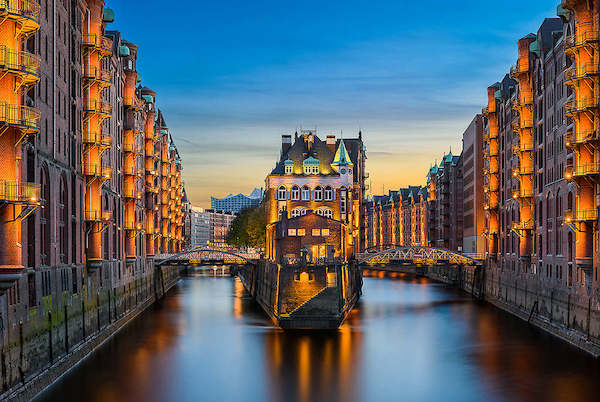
x: 286, y: 143
x: 331, y: 143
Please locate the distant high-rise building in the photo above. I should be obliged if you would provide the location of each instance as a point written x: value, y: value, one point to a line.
x: 237, y: 203
x: 473, y: 189
x: 200, y: 227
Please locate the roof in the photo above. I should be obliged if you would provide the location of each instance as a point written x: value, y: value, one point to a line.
x: 303, y: 149
x: 341, y: 156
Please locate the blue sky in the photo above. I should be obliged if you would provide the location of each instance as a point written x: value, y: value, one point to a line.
x: 232, y: 76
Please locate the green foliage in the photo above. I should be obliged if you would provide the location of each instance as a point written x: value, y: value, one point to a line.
x: 248, y: 229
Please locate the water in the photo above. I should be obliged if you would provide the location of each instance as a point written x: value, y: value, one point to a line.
x: 409, y: 339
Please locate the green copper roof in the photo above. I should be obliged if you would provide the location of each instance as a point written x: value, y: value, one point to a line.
x: 148, y: 98
x: 288, y: 162
x: 311, y: 161
x: 124, y: 51
x: 498, y: 94
x: 139, y: 77
x: 109, y: 15
x: 563, y: 13
x: 341, y: 156
x: 534, y: 47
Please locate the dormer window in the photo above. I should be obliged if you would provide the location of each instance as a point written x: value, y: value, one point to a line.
x: 311, y: 165
x: 289, y: 166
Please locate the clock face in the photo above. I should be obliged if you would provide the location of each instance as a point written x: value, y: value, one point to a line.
x: 343, y: 171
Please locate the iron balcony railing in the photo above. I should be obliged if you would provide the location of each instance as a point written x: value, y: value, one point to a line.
x: 579, y: 105
x: 579, y: 72
x: 522, y: 193
x: 97, y: 74
x: 581, y: 215
x: 519, y: 69
x: 133, y: 148
x: 97, y: 138
x: 134, y: 102
x: 96, y: 215
x: 525, y: 225
x: 522, y: 147
x: 99, y: 42
x: 580, y: 137
x: 23, y: 117
x: 132, y: 171
x: 20, y: 62
x: 19, y: 193
x: 97, y: 170
x: 98, y: 107
x: 585, y: 35
x: 490, y: 188
x: 28, y: 9
x: 522, y: 171
x: 525, y: 98
x: 584, y: 169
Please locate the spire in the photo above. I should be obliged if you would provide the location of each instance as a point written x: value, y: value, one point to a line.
x: 341, y: 156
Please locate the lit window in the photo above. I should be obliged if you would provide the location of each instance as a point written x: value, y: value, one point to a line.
x: 328, y: 194
x: 281, y: 193
x: 288, y: 169
x: 316, y: 232
x: 295, y: 193
x: 324, y: 232
x: 305, y: 193
x: 298, y: 212
x: 318, y: 194
x: 291, y: 232
x: 301, y: 232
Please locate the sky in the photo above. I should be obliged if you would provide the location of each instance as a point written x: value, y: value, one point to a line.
x: 232, y: 76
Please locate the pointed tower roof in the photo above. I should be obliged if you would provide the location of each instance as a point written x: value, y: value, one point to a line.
x: 341, y: 156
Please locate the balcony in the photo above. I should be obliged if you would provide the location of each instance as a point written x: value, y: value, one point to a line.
x: 132, y: 193
x: 96, y: 215
x: 577, y: 73
x: 525, y: 225
x: 134, y: 103
x: 518, y: 69
x: 96, y: 138
x: 584, y: 169
x: 134, y: 148
x: 580, y: 137
x: 490, y: 188
x: 23, y: 64
x: 134, y: 226
x: 132, y: 171
x: 522, y: 193
x: 522, y: 147
x: 99, y: 75
x: 525, y: 98
x: 523, y: 171
x: 100, y: 108
x: 98, y: 43
x: 25, y: 12
x: 585, y: 35
x: 582, y: 215
x: 580, y: 105
x: 97, y: 170
x: 20, y: 117
x: 14, y: 192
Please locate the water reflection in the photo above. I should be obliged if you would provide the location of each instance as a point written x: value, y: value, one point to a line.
x: 408, y: 339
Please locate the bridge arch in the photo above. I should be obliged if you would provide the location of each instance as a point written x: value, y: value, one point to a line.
x: 203, y: 250
x: 411, y: 253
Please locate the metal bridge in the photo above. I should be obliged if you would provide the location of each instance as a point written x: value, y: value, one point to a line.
x: 417, y: 255
x: 207, y: 256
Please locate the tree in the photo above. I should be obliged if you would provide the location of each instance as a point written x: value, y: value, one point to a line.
x: 248, y: 229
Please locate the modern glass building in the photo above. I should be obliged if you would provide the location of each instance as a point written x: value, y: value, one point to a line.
x: 237, y: 203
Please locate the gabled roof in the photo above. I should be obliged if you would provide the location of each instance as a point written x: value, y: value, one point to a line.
x: 308, y: 161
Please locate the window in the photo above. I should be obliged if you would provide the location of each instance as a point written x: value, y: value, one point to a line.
x: 316, y: 232
x: 326, y: 212
x: 295, y: 193
x: 292, y: 232
x: 328, y: 194
x: 324, y: 232
x: 301, y: 232
x: 298, y: 212
x: 318, y: 194
x: 281, y: 193
x: 288, y: 169
x: 305, y: 193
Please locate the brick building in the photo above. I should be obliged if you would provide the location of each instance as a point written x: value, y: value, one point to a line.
x: 90, y: 182
x: 445, y: 203
x: 396, y: 219
x: 314, y: 177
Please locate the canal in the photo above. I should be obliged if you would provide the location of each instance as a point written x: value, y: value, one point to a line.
x: 409, y: 339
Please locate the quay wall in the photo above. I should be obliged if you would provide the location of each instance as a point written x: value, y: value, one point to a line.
x: 42, y: 342
x: 572, y: 314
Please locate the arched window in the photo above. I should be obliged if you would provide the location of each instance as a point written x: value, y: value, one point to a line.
x: 63, y: 214
x: 318, y: 194
x: 558, y: 210
x: 328, y: 194
x: 45, y: 216
x: 295, y: 193
x: 298, y: 212
x: 326, y: 212
x: 570, y: 201
x: 549, y: 207
x: 305, y: 193
x: 281, y: 193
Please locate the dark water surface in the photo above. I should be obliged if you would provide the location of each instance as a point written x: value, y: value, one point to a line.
x: 409, y: 339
